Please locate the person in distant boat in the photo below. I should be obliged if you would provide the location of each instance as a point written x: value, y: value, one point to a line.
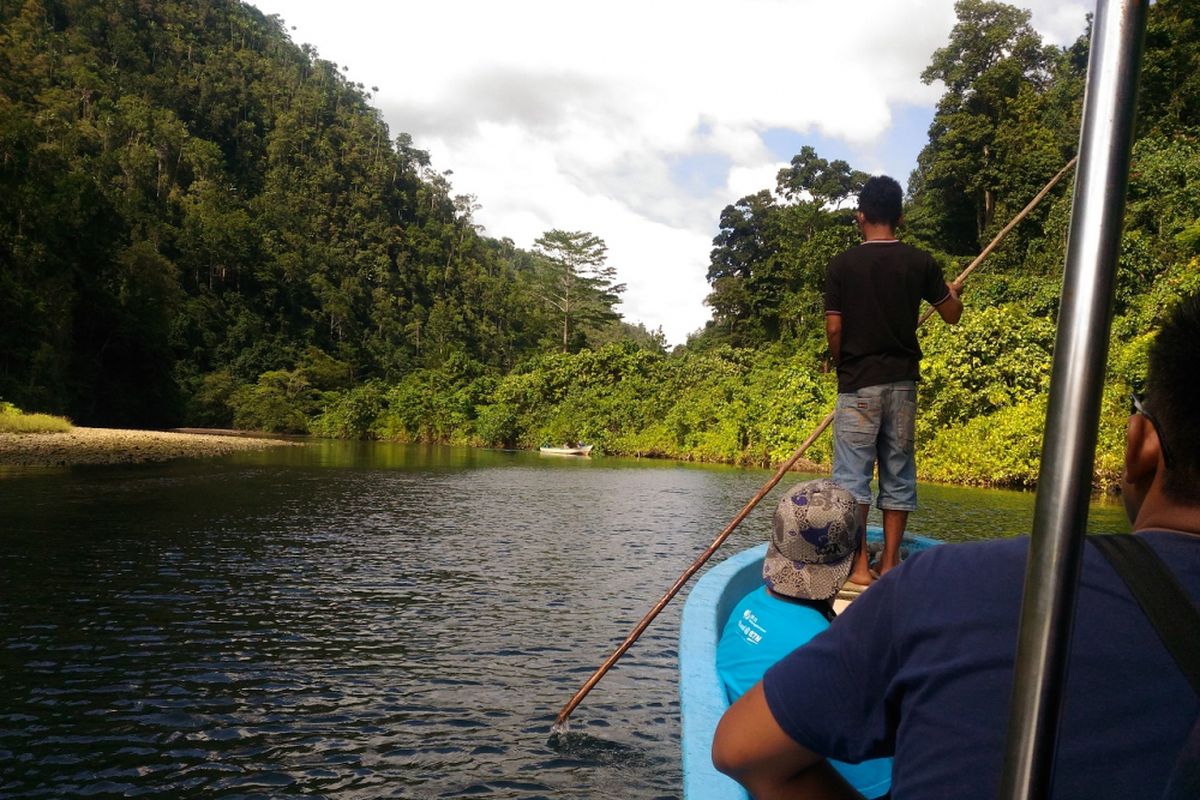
x: 813, y: 541
x: 873, y: 296
x: 921, y: 666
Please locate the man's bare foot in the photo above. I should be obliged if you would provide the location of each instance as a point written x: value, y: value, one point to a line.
x: 861, y: 578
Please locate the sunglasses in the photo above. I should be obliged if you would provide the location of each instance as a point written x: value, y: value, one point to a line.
x: 1137, y: 405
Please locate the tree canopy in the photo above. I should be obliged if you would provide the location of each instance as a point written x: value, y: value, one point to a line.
x: 190, y: 201
x: 578, y: 284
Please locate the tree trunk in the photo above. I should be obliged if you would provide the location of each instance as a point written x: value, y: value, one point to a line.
x: 566, y: 313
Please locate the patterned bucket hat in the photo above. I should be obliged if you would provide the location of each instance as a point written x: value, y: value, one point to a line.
x: 813, y: 542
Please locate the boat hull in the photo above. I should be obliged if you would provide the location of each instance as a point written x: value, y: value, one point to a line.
x: 565, y: 451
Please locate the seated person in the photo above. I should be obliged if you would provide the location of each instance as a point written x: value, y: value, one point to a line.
x: 812, y: 547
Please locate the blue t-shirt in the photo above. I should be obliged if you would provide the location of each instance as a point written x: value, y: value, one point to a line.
x: 762, y: 630
x: 920, y: 667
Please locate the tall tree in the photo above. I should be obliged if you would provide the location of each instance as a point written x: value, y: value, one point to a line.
x: 995, y: 70
x: 578, y: 284
x: 1169, y: 91
x: 738, y: 266
x: 767, y: 264
x: 825, y: 182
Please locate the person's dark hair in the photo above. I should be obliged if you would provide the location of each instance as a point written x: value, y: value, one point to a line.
x: 881, y: 200
x: 1172, y: 391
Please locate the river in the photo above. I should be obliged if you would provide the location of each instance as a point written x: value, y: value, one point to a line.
x: 360, y: 620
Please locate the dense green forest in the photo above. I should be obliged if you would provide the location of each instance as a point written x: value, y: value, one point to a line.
x: 202, y: 223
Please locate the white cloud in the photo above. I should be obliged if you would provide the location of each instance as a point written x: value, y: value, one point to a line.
x: 1061, y: 23
x: 744, y: 180
x: 572, y: 115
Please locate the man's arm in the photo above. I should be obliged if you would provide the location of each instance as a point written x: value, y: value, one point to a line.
x: 833, y: 334
x: 751, y: 748
x: 951, y: 308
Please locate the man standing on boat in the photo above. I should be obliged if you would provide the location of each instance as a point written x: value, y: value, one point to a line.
x: 873, y: 296
x: 921, y: 667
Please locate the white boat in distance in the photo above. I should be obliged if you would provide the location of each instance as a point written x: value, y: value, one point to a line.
x: 566, y: 451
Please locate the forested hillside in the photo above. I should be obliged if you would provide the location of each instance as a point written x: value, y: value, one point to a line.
x: 200, y: 220
x: 202, y: 223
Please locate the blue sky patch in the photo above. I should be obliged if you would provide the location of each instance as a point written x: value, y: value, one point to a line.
x: 699, y: 172
x: 894, y: 152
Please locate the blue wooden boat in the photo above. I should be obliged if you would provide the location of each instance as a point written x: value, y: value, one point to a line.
x: 702, y: 698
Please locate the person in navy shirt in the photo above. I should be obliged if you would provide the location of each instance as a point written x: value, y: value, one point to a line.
x: 920, y: 667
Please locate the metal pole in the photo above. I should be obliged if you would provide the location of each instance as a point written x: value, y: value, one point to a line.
x: 1080, y: 353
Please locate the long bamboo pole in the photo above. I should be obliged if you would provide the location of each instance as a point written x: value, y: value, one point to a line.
x: 640, y: 628
x: 687, y: 574
x: 999, y: 237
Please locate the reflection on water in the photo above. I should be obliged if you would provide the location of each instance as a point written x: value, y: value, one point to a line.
x: 358, y: 620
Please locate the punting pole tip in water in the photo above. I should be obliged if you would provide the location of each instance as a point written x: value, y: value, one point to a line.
x: 561, y: 728
x: 594, y: 749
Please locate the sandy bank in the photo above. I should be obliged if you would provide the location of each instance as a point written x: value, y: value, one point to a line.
x: 114, y: 446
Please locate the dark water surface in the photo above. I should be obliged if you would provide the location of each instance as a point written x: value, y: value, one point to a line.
x: 364, y: 620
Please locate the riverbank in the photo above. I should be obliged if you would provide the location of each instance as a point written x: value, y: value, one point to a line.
x: 116, y: 446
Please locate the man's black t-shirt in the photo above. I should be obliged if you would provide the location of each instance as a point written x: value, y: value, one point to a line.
x: 877, y: 289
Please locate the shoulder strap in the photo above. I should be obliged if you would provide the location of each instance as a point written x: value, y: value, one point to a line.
x: 1163, y: 600
x: 1177, y: 622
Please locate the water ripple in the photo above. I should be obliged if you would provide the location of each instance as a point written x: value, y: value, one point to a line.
x: 349, y: 621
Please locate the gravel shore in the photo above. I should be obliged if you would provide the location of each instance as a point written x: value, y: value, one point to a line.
x: 114, y: 446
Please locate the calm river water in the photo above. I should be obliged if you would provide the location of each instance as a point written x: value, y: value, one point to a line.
x: 359, y: 620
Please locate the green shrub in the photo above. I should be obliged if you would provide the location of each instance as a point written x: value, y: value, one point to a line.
x: 14, y: 420
x: 210, y: 405
x: 998, y: 449
x: 982, y: 399
x: 350, y: 414
x: 281, y: 402
x: 324, y: 372
x: 722, y: 405
x: 437, y: 404
x: 996, y: 358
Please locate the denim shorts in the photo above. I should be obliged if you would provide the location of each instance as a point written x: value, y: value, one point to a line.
x: 877, y: 424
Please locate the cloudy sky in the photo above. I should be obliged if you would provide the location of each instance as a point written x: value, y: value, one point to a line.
x: 640, y: 121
